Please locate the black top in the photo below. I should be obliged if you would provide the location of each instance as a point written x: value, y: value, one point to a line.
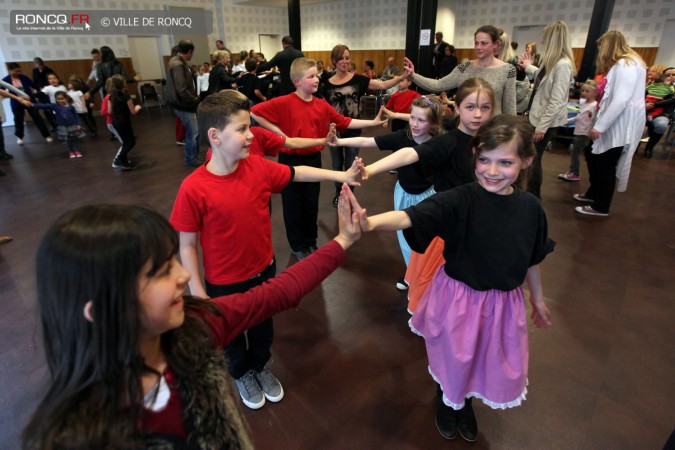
x: 220, y: 78
x: 491, y: 240
x: 345, y: 98
x: 107, y: 69
x: 248, y: 83
x: 121, y: 113
x: 447, y: 159
x: 447, y: 65
x: 40, y: 77
x: 283, y: 61
x: 411, y: 177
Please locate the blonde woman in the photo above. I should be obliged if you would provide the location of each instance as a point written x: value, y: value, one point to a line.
x: 618, y: 128
x: 548, y: 103
x: 220, y: 76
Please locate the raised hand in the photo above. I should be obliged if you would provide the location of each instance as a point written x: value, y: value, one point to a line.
x: 353, y: 174
x: 409, y: 67
x: 356, y: 208
x: 331, y: 137
x: 348, y: 221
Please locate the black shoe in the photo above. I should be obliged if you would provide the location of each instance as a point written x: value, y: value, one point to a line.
x: 446, y: 420
x: 649, y: 153
x: 466, y: 422
x: 5, y: 155
x: 335, y: 200
x: 301, y: 254
x: 124, y: 165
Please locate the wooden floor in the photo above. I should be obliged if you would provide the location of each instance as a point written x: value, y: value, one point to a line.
x: 355, y: 376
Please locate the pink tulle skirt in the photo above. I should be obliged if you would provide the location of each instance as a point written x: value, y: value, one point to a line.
x: 476, y: 342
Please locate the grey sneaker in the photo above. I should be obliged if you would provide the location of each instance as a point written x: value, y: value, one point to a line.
x: 250, y: 391
x: 270, y: 385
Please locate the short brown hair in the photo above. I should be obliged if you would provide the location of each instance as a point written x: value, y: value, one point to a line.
x: 216, y: 109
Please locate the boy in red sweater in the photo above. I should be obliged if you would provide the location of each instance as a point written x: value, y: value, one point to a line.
x: 400, y: 102
x: 300, y: 114
x: 224, y: 205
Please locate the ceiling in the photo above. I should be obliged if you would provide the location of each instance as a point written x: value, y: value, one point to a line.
x: 277, y: 3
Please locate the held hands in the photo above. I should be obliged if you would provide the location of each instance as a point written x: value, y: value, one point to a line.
x: 594, y: 134
x: 378, y: 120
x: 409, y: 68
x: 540, y: 314
x: 26, y: 103
x: 356, y: 208
x: 353, y: 174
x: 331, y: 138
x: 348, y: 221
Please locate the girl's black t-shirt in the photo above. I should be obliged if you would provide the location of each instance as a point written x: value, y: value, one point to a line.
x: 121, y: 113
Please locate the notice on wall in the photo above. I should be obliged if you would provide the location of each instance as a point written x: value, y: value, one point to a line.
x: 425, y: 38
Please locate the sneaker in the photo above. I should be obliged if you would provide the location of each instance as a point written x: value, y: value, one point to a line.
x: 301, y: 254
x: 270, y: 385
x: 6, y: 156
x: 180, y: 143
x: 589, y: 211
x: 49, y: 139
x: 73, y: 156
x: 124, y: 165
x: 466, y: 422
x: 645, y: 139
x: 19, y: 141
x: 335, y: 200
x: 401, y: 284
x: 249, y: 390
x: 569, y: 176
x: 79, y: 155
x: 582, y: 198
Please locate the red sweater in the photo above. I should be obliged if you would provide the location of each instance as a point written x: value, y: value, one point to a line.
x: 240, y: 312
x: 400, y: 102
x: 299, y: 118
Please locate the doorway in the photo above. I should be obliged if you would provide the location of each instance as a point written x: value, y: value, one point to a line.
x: 146, y: 57
x: 270, y: 44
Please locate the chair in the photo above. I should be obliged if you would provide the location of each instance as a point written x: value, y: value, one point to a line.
x: 368, y: 107
x: 148, y: 91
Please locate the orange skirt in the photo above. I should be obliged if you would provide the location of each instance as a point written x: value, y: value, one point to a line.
x: 421, y: 270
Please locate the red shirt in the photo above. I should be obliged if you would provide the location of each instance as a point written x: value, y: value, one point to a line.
x: 240, y: 312
x: 299, y: 118
x: 400, y: 102
x: 104, y: 110
x: 231, y: 215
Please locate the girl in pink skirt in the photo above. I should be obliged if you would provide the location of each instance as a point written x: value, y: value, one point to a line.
x: 472, y: 316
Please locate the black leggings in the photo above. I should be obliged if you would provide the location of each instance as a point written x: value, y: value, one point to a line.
x: 126, y: 133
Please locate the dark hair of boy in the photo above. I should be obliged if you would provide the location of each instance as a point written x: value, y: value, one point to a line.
x: 216, y: 109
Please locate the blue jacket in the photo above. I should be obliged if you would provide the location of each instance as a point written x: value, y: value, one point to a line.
x: 27, y: 86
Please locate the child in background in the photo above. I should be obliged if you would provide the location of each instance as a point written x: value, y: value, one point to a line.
x: 105, y: 112
x: 447, y: 160
x: 78, y: 103
x: 222, y: 207
x: 250, y: 85
x: 87, y: 117
x: 473, y: 315
x: 300, y: 114
x: 400, y: 102
x: 55, y: 85
x: 412, y: 186
x: 203, y: 83
x: 144, y: 367
x: 67, y: 122
x: 656, y: 91
x: 582, y: 125
x: 121, y: 108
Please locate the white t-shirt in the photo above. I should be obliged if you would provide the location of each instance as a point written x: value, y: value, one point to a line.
x: 77, y: 101
x: 52, y: 90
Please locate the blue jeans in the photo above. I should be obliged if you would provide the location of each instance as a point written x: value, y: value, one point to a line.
x: 189, y: 120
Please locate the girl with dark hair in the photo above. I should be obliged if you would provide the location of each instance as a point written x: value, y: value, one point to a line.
x: 473, y: 315
x: 68, y: 127
x: 121, y: 107
x: 500, y: 75
x: 135, y: 363
x: 26, y: 85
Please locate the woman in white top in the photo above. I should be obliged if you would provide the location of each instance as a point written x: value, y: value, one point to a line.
x: 548, y: 103
x: 618, y: 128
x: 500, y: 75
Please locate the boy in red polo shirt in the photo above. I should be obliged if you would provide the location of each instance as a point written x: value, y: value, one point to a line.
x: 223, y: 204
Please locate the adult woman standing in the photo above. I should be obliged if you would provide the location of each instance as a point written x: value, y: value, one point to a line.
x: 108, y: 67
x: 548, y: 103
x: 618, y: 129
x: 24, y: 84
x: 500, y: 75
x: 344, y: 91
x: 220, y: 77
